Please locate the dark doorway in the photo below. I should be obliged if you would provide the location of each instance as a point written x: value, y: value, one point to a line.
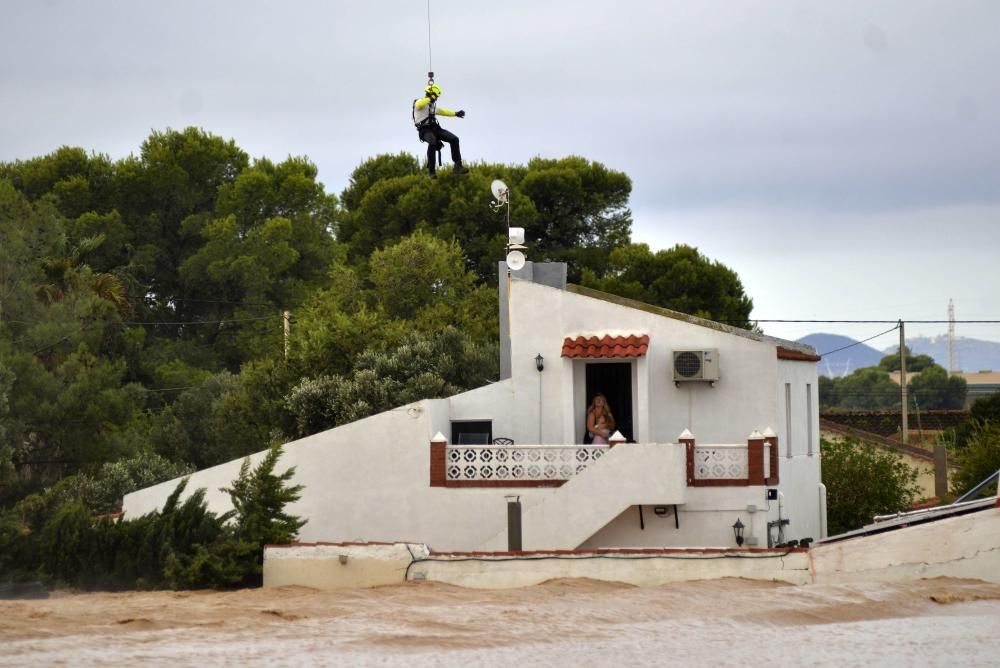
x: 614, y: 381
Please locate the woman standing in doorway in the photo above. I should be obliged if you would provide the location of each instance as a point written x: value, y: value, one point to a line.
x: 600, y: 421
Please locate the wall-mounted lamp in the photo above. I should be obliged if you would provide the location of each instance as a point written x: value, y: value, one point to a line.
x: 738, y: 531
x: 539, y: 362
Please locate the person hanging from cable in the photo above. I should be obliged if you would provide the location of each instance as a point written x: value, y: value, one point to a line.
x: 425, y: 113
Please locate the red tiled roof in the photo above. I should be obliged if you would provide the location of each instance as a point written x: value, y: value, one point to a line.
x: 633, y: 345
x: 795, y: 355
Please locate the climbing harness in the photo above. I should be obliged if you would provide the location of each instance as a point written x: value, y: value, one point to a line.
x: 426, y: 124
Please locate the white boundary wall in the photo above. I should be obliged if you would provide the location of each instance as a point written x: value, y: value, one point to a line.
x: 967, y: 546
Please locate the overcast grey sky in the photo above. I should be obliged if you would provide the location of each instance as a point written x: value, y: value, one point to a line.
x: 842, y: 157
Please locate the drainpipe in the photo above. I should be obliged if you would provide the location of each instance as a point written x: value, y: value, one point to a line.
x: 822, y: 510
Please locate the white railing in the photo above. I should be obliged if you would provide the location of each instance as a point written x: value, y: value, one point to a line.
x: 721, y: 462
x: 519, y: 462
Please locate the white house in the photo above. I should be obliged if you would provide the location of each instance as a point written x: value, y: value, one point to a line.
x: 719, y: 424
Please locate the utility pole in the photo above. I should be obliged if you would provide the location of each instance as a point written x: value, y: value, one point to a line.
x: 286, y: 316
x: 902, y: 376
x: 951, y: 337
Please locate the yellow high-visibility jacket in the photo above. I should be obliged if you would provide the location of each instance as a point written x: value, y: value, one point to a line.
x: 424, y: 111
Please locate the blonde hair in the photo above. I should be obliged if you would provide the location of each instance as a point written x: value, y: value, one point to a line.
x: 609, y: 419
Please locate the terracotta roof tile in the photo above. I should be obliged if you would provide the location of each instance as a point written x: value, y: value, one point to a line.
x: 633, y: 345
x: 796, y: 355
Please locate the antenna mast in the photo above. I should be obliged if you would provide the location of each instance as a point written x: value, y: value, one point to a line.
x: 951, y: 337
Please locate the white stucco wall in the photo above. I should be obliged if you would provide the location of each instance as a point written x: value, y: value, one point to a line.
x: 798, y: 448
x: 967, y: 546
x: 627, y: 474
x: 369, y: 480
x: 639, y: 570
x: 726, y: 413
x: 705, y: 519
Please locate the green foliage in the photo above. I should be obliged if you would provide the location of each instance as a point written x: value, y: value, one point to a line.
x: 29, y: 232
x: 57, y: 537
x: 63, y: 541
x: 419, y: 285
x: 573, y: 210
x: 986, y: 409
x: 681, y: 279
x: 423, y: 367
x: 870, y: 387
x: 259, y: 497
x: 935, y: 388
x: 141, y: 331
x: 424, y: 280
x: 983, y: 410
x: 978, y: 458
x: 914, y: 363
x: 380, y: 168
x: 863, y: 481
x: 418, y: 272
x: 189, y: 429
x: 103, y: 492
x: 9, y: 447
x: 930, y: 387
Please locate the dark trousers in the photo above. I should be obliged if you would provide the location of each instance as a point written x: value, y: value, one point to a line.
x: 434, y: 136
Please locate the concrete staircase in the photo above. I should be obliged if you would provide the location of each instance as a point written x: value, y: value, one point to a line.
x: 627, y: 475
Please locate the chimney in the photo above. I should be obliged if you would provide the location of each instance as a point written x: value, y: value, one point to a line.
x: 552, y: 274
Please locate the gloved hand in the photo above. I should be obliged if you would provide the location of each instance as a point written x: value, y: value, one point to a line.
x: 460, y: 113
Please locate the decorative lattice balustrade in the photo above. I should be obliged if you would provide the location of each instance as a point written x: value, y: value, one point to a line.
x: 519, y: 462
x: 720, y: 462
x: 725, y: 462
x: 726, y: 465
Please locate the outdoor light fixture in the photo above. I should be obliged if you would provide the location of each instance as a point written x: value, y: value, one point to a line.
x: 539, y: 362
x: 738, y: 531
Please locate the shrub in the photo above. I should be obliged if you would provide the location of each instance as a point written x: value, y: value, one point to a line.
x: 978, y: 459
x: 863, y: 481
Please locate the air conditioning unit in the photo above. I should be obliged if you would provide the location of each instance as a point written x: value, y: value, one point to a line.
x: 696, y: 365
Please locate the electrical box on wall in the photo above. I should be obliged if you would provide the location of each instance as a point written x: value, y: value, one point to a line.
x: 701, y: 364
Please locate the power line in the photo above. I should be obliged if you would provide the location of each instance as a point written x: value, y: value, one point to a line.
x: 199, y: 322
x: 219, y: 301
x: 883, y: 322
x: 858, y: 343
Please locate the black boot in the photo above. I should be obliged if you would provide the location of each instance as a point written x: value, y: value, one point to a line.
x: 461, y: 169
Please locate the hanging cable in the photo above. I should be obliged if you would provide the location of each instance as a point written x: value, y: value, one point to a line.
x: 430, y: 56
x: 858, y: 343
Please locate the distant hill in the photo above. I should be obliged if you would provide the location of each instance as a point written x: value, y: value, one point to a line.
x: 971, y: 354
x: 844, y: 362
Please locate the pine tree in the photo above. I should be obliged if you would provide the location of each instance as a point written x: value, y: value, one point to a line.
x: 259, y: 497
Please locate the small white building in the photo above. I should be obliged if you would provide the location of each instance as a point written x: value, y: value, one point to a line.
x: 717, y: 424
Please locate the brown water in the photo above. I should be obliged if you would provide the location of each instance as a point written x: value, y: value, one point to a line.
x: 940, y: 622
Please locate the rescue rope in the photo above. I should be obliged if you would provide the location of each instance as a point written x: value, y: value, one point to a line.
x: 430, y: 59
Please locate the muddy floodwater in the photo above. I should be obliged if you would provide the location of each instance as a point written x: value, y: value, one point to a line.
x: 939, y: 622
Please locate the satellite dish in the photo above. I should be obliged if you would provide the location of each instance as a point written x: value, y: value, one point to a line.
x: 515, y: 260
x: 499, y: 189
